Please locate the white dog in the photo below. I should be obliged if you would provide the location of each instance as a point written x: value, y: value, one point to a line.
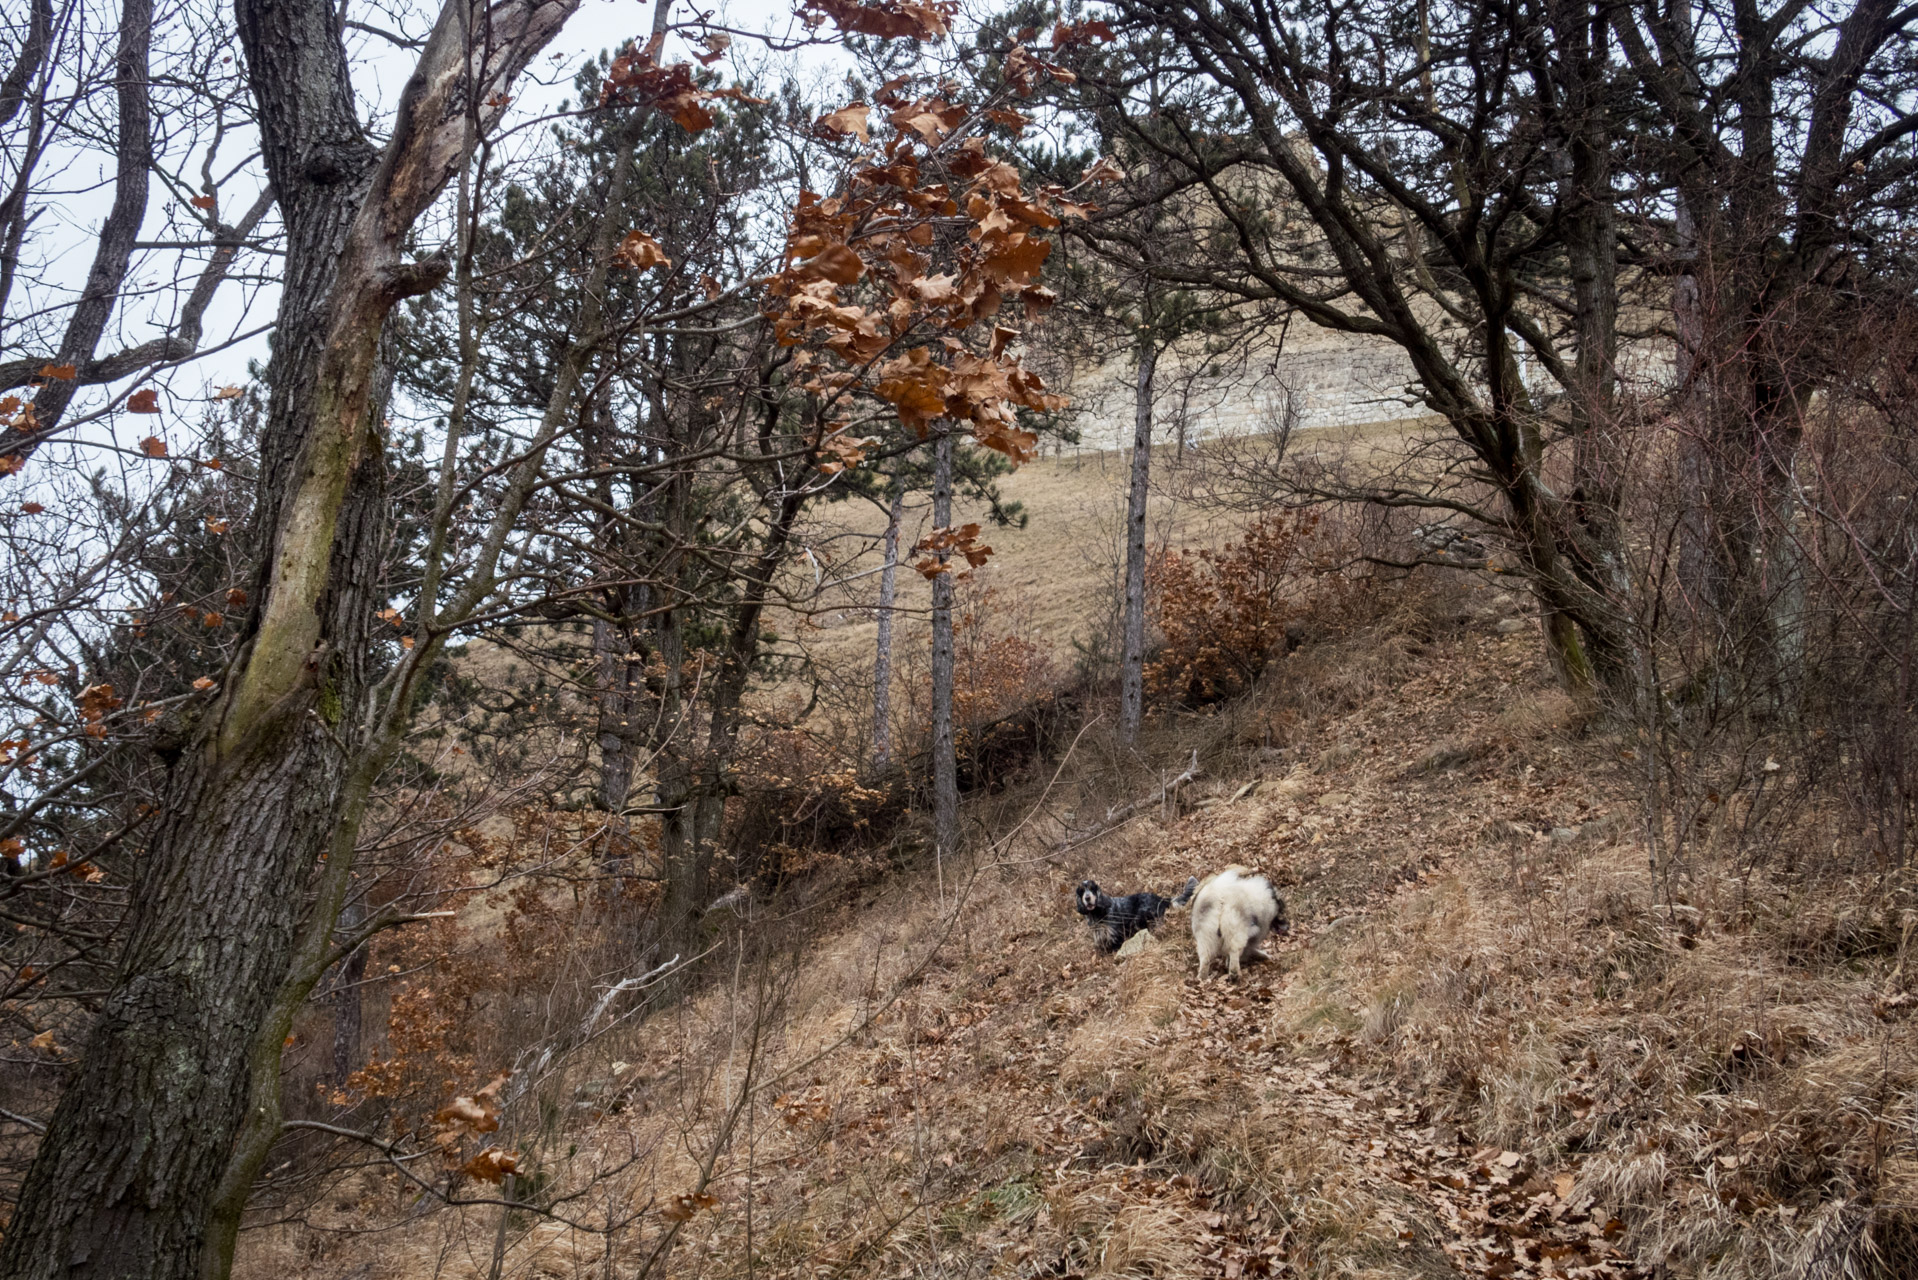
x: 1232, y: 911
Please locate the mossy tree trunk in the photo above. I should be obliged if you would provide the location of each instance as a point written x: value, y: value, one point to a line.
x: 138, y: 1157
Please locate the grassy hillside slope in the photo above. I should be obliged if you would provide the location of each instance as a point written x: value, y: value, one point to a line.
x: 1490, y: 1047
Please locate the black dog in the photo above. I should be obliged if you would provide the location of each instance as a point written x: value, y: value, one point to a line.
x: 1119, y: 918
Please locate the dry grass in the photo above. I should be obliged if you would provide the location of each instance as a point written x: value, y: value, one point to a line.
x: 1487, y: 1006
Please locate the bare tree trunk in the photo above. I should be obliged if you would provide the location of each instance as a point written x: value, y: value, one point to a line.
x: 1698, y: 552
x: 26, y: 65
x: 136, y: 1175
x: 1132, y: 650
x: 348, y: 998
x: 945, y: 762
x: 614, y: 672
x: 617, y: 668
x: 882, y: 654
x: 693, y: 789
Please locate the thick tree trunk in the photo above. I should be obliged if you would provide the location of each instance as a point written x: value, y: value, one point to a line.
x: 1132, y: 644
x: 882, y: 650
x: 945, y: 762
x: 140, y: 1148
x: 1700, y: 550
x: 1591, y: 245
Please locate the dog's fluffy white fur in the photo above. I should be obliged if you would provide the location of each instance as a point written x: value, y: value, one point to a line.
x: 1233, y: 910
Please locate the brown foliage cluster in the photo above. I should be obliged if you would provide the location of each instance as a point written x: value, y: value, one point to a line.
x: 427, y: 1050
x: 998, y: 666
x: 637, y: 77
x: 456, y: 990
x: 1222, y: 613
x: 885, y: 298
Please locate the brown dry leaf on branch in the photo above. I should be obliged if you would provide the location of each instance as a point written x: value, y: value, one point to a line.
x: 887, y: 19
x: 96, y: 703
x: 682, y: 1207
x: 837, y: 451
x: 491, y: 1165
x: 641, y: 252
x: 637, y: 79
x: 940, y: 545
x: 145, y: 400
x: 849, y: 120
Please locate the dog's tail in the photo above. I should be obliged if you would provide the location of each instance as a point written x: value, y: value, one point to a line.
x: 1185, y: 894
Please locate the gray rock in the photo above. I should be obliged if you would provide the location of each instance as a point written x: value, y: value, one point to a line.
x: 1137, y: 943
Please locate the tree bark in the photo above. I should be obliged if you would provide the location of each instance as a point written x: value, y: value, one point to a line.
x: 617, y: 670
x: 142, y: 1144
x: 698, y: 775
x: 349, y: 999
x: 616, y: 712
x: 882, y: 651
x: 26, y: 65
x: 1132, y: 647
x: 945, y: 761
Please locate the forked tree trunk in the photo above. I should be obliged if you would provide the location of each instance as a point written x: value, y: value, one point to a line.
x: 882, y: 650
x: 1132, y: 646
x: 138, y: 1150
x: 945, y: 761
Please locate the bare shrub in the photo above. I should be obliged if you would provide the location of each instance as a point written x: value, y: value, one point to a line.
x: 1222, y: 613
